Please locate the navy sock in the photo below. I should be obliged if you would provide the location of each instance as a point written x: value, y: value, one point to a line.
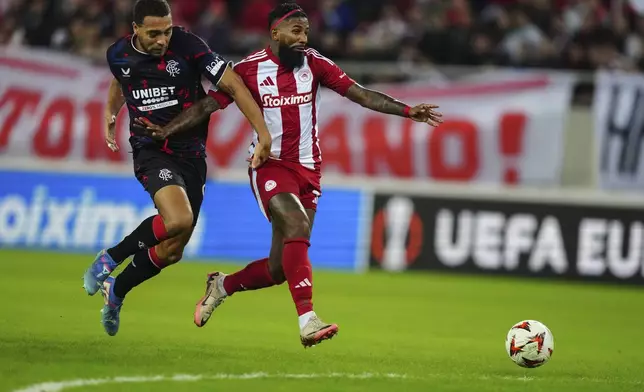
x: 149, y: 233
x: 144, y: 266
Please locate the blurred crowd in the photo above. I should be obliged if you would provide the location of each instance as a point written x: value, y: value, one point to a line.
x: 568, y: 34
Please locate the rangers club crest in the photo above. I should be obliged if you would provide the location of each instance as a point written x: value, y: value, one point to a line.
x: 173, y: 68
x: 165, y: 174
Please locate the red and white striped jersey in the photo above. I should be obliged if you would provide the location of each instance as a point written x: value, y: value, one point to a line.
x: 290, y: 101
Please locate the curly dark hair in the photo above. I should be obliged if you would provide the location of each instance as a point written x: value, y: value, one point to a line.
x: 283, y: 9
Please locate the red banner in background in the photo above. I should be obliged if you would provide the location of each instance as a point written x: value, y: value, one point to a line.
x: 508, y: 132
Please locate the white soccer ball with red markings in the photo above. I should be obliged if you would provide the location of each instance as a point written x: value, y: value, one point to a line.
x: 529, y: 343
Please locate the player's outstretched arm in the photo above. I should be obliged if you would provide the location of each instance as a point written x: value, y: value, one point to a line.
x: 186, y: 120
x: 232, y: 84
x: 115, y: 98
x: 115, y: 101
x: 383, y: 103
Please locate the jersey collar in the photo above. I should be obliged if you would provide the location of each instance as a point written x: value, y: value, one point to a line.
x: 272, y: 55
x: 134, y: 46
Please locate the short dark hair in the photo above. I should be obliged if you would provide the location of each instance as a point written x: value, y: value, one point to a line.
x: 283, y: 9
x: 143, y: 8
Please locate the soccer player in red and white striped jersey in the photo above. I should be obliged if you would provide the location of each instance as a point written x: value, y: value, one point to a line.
x: 285, y: 80
x: 288, y: 91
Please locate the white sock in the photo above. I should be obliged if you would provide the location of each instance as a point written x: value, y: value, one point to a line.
x: 303, y: 319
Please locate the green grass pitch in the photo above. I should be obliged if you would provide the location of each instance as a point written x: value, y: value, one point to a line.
x: 435, y: 332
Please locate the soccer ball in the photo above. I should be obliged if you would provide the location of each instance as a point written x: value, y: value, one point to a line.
x: 529, y: 344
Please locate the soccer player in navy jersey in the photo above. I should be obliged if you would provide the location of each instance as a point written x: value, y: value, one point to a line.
x: 285, y: 79
x: 158, y: 74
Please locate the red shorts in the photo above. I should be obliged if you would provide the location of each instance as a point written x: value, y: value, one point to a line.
x: 276, y: 176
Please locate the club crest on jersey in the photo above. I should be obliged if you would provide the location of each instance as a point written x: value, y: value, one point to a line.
x: 270, y: 185
x: 269, y: 101
x: 304, y: 76
x: 173, y: 68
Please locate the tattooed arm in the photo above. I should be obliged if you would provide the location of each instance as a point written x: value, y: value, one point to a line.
x: 336, y: 79
x: 186, y: 120
x: 377, y: 101
x: 383, y: 103
x: 194, y: 115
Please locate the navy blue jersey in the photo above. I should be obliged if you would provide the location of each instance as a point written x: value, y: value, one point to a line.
x: 159, y: 88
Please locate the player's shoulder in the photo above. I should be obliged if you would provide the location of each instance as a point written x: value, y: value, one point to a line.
x: 248, y: 62
x: 119, y: 48
x: 182, y: 38
x: 180, y: 32
x: 187, y: 44
x: 318, y: 62
x: 253, y: 58
x: 314, y: 56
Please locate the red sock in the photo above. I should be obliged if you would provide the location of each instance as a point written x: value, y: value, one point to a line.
x: 297, y: 268
x: 254, y: 276
x: 156, y: 260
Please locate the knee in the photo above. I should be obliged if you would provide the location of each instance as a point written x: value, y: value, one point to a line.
x: 179, y: 223
x: 297, y: 226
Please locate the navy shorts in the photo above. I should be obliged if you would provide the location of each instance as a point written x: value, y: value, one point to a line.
x: 156, y: 169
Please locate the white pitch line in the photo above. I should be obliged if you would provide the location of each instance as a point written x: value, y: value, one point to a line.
x: 56, y: 386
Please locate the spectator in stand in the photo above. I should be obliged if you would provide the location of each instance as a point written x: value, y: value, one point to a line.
x: 250, y: 27
x: 214, y: 26
x: 381, y: 38
x: 572, y: 34
x: 524, y: 41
